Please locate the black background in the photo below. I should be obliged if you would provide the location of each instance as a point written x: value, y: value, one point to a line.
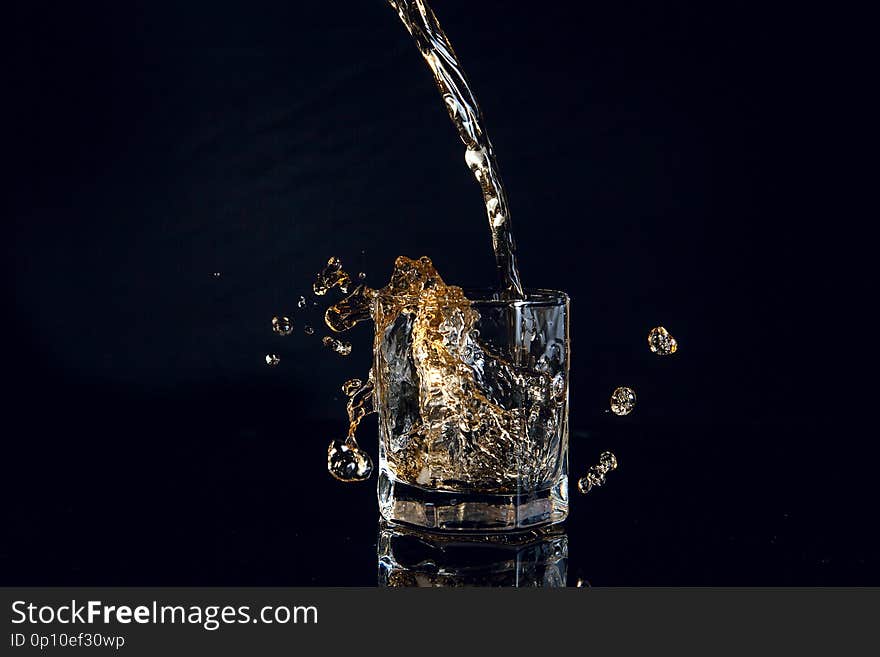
x: 666, y: 164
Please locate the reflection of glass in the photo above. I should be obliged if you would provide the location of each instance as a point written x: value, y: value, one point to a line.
x: 472, y: 400
x: 410, y: 557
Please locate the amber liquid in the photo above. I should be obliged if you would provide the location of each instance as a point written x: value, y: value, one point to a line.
x: 456, y: 413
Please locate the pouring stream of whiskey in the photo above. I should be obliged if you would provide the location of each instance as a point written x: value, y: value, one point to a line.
x: 463, y: 109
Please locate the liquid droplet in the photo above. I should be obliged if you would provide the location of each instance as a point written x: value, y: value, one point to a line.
x: 308, y: 330
x: 272, y: 360
x: 301, y: 303
x: 339, y: 346
x: 349, y: 311
x: 608, y: 461
x: 595, y: 476
x: 623, y: 400
x: 332, y: 275
x: 362, y: 275
x: 351, y: 387
x: 661, y: 342
x: 282, y: 325
x: 348, y: 462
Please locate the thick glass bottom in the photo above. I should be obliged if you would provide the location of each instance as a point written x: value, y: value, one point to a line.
x: 470, y: 512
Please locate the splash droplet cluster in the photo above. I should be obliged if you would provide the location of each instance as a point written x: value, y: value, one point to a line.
x: 596, y: 474
x: 332, y: 275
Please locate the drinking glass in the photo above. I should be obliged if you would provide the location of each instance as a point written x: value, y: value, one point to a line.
x: 476, y: 439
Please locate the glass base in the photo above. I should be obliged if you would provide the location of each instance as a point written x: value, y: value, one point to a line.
x: 470, y: 512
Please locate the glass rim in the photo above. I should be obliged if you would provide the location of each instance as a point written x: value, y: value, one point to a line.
x: 535, y: 297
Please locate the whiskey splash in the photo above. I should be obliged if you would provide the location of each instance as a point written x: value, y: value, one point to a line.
x: 463, y: 416
x: 332, y: 275
x: 460, y: 413
x: 346, y: 461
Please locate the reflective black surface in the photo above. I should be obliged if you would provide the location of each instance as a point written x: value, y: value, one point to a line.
x: 146, y: 442
x: 156, y: 504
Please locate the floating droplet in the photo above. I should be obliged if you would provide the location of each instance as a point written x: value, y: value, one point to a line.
x: 216, y: 274
x: 332, y: 275
x: 347, y: 462
x: 623, y: 400
x: 339, y: 346
x: 608, y: 461
x: 661, y: 342
x: 596, y: 474
x: 351, y: 386
x: 308, y: 330
x: 362, y: 275
x: 301, y: 303
x: 593, y: 478
x: 272, y: 360
x: 282, y: 325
